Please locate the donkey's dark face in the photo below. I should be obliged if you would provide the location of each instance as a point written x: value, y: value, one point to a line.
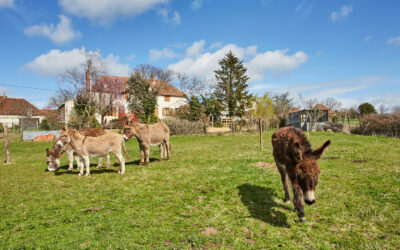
x: 307, y: 178
x: 307, y: 171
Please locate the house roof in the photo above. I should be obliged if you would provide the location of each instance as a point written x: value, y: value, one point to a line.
x: 166, y: 89
x: 323, y: 107
x: 294, y: 109
x: 17, y: 106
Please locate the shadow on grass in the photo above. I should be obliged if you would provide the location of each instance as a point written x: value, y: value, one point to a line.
x: 262, y: 206
x: 93, y: 170
x: 136, y: 162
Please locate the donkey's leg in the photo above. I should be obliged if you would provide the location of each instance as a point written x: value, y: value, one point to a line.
x: 168, y: 147
x: 161, y: 151
x: 141, y: 155
x: 121, y: 162
x: 285, y: 180
x: 87, y: 164
x: 147, y: 153
x: 298, y: 197
x: 100, y: 163
x: 70, y: 155
x: 108, y: 161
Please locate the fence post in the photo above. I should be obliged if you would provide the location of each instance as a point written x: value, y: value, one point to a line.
x: 7, y: 161
x: 260, y: 129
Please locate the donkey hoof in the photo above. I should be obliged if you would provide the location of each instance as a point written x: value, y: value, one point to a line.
x: 159, y: 160
x: 87, y: 174
x: 302, y: 219
x: 108, y: 167
x: 98, y: 167
x: 287, y: 201
x: 141, y: 163
x: 69, y: 170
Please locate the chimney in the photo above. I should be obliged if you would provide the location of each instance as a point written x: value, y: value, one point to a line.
x: 88, y: 86
x: 153, y: 77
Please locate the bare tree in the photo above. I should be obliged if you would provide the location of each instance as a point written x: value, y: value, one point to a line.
x: 143, y: 87
x: 332, y: 104
x: 396, y: 110
x: 24, y: 110
x: 313, y: 112
x: 107, y: 90
x: 382, y: 109
x: 77, y: 82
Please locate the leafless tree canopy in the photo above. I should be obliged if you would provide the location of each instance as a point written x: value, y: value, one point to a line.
x: 191, y: 86
x: 75, y: 79
x: 332, y: 103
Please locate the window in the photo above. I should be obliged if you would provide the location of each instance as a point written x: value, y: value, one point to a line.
x: 167, y: 112
x: 167, y: 98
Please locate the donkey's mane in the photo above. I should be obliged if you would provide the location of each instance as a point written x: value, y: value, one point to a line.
x: 304, y: 141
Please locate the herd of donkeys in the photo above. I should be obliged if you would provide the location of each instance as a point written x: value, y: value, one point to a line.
x: 296, y: 161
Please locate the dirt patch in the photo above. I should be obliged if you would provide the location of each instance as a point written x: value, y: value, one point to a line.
x: 266, y: 165
x: 212, y: 245
x: 210, y: 231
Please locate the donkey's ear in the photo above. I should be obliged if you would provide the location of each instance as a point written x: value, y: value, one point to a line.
x: 318, y: 152
x: 298, y: 154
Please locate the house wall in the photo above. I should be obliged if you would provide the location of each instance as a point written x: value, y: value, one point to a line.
x: 162, y: 103
x: 173, y: 103
x: 10, y: 120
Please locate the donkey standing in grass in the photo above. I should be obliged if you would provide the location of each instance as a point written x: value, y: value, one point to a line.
x: 297, y: 162
x: 55, y: 153
x: 149, y: 135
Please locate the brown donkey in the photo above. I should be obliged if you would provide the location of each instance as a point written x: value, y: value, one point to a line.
x: 297, y: 162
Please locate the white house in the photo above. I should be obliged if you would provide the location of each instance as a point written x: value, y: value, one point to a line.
x: 169, y: 98
x: 12, y: 110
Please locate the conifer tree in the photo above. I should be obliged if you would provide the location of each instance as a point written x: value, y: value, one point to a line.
x: 231, y: 89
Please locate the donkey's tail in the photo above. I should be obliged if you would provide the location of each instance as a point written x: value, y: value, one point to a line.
x: 123, y: 148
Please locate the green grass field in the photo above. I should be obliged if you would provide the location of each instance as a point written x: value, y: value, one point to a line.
x: 217, y: 191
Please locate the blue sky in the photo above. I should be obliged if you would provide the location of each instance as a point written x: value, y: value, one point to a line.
x: 345, y: 49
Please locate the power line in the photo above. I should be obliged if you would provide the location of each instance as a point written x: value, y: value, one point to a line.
x: 25, y: 87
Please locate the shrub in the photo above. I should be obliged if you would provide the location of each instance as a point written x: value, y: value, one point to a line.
x: 218, y: 124
x: 184, y: 127
x: 384, y: 124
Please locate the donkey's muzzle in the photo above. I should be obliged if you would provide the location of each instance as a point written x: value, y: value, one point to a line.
x: 310, y: 202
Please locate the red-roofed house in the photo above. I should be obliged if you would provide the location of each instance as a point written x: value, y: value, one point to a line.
x: 169, y: 98
x: 12, y: 110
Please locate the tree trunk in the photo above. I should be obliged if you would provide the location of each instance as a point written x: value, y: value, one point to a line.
x: 233, y: 125
x: 7, y: 161
x: 260, y: 129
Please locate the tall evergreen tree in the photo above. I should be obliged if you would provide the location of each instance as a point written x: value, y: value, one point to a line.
x: 231, y: 90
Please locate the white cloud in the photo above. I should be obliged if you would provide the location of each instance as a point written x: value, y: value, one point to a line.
x: 394, y: 40
x: 367, y: 38
x: 60, y: 34
x: 344, y: 11
x: 56, y: 61
x: 196, y: 4
x: 130, y: 57
x: 201, y: 63
x: 195, y: 49
x: 104, y: 11
x: 155, y: 55
x: 277, y: 61
x: 175, y: 19
x: 6, y: 4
